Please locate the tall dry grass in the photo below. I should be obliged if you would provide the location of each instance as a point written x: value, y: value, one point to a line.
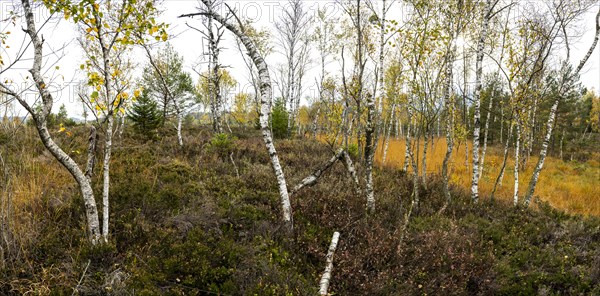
x: 571, y: 186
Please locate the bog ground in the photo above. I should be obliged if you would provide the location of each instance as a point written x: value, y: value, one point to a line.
x: 186, y: 224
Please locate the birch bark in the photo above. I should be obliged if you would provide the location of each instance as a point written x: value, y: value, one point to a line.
x: 40, y: 120
x: 265, y: 109
x: 326, y: 277
x: 550, y: 123
x: 487, y: 13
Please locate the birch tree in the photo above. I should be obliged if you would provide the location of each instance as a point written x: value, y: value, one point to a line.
x: 166, y: 81
x: 567, y: 80
x: 293, y: 27
x: 109, y: 30
x: 486, y: 17
x: 239, y: 31
x: 40, y: 118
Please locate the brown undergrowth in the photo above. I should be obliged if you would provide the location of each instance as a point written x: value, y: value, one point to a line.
x: 184, y: 223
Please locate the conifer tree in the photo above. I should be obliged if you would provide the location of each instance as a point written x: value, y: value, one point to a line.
x: 145, y: 116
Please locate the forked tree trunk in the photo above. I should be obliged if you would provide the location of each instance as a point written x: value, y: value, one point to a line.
x: 110, y: 116
x: 40, y: 119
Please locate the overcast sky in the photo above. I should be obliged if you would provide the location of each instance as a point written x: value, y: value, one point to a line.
x: 59, y: 34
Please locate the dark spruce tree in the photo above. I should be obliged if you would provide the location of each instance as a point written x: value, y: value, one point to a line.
x: 145, y: 116
x: 279, y: 119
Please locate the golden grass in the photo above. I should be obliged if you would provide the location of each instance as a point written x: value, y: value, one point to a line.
x: 570, y: 186
x: 31, y: 179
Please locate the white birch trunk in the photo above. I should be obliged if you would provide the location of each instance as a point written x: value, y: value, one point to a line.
x: 85, y: 187
x: 407, y: 146
x: 351, y: 170
x: 449, y: 120
x: 516, y: 170
x: 326, y: 277
x: 312, y: 178
x: 370, y: 154
x: 477, y: 106
x: 106, y: 178
x: 399, y: 131
x: 389, y: 133
x: 485, y: 135
x: 550, y: 123
x: 91, y: 153
x: 265, y: 109
x: 501, y: 122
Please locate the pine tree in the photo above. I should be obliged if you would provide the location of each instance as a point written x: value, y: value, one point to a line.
x: 279, y: 119
x: 145, y: 116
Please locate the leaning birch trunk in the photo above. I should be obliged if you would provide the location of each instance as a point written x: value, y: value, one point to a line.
x: 265, y: 109
x: 550, y: 123
x: 351, y: 170
x: 485, y: 135
x: 312, y: 178
x: 516, y: 170
x: 326, y: 277
x: 85, y: 186
x: 501, y: 174
x: 487, y: 13
x: 84, y: 183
